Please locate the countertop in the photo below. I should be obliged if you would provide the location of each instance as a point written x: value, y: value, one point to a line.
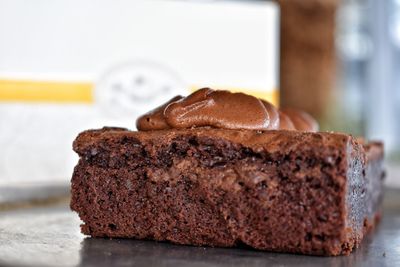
x: 50, y: 236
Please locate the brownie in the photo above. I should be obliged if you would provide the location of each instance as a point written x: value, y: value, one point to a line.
x: 274, y: 190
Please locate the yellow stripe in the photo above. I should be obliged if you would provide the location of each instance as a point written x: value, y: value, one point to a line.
x: 271, y: 96
x: 82, y: 92
x: 45, y: 91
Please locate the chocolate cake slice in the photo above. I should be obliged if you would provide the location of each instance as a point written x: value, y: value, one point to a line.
x: 275, y: 190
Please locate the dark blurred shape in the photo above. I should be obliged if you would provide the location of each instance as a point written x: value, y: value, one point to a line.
x: 308, y: 60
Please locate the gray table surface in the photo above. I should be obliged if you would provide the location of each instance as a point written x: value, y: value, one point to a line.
x: 50, y: 236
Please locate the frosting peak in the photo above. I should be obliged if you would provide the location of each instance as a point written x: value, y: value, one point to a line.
x: 223, y: 109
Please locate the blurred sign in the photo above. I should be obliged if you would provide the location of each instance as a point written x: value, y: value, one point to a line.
x: 66, y: 66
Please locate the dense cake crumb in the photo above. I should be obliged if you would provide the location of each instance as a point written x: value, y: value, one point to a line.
x: 310, y: 193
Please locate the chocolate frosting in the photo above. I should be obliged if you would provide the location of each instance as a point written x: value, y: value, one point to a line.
x: 301, y: 120
x: 154, y: 119
x: 223, y: 109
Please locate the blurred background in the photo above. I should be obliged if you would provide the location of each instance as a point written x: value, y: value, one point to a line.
x: 66, y: 66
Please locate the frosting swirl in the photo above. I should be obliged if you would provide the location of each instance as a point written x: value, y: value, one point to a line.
x: 223, y: 109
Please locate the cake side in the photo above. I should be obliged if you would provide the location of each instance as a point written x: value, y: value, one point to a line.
x: 273, y: 190
x: 355, y: 195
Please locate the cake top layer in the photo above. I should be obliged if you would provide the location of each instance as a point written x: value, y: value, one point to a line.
x: 271, y: 140
x: 320, y: 144
x: 226, y: 110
